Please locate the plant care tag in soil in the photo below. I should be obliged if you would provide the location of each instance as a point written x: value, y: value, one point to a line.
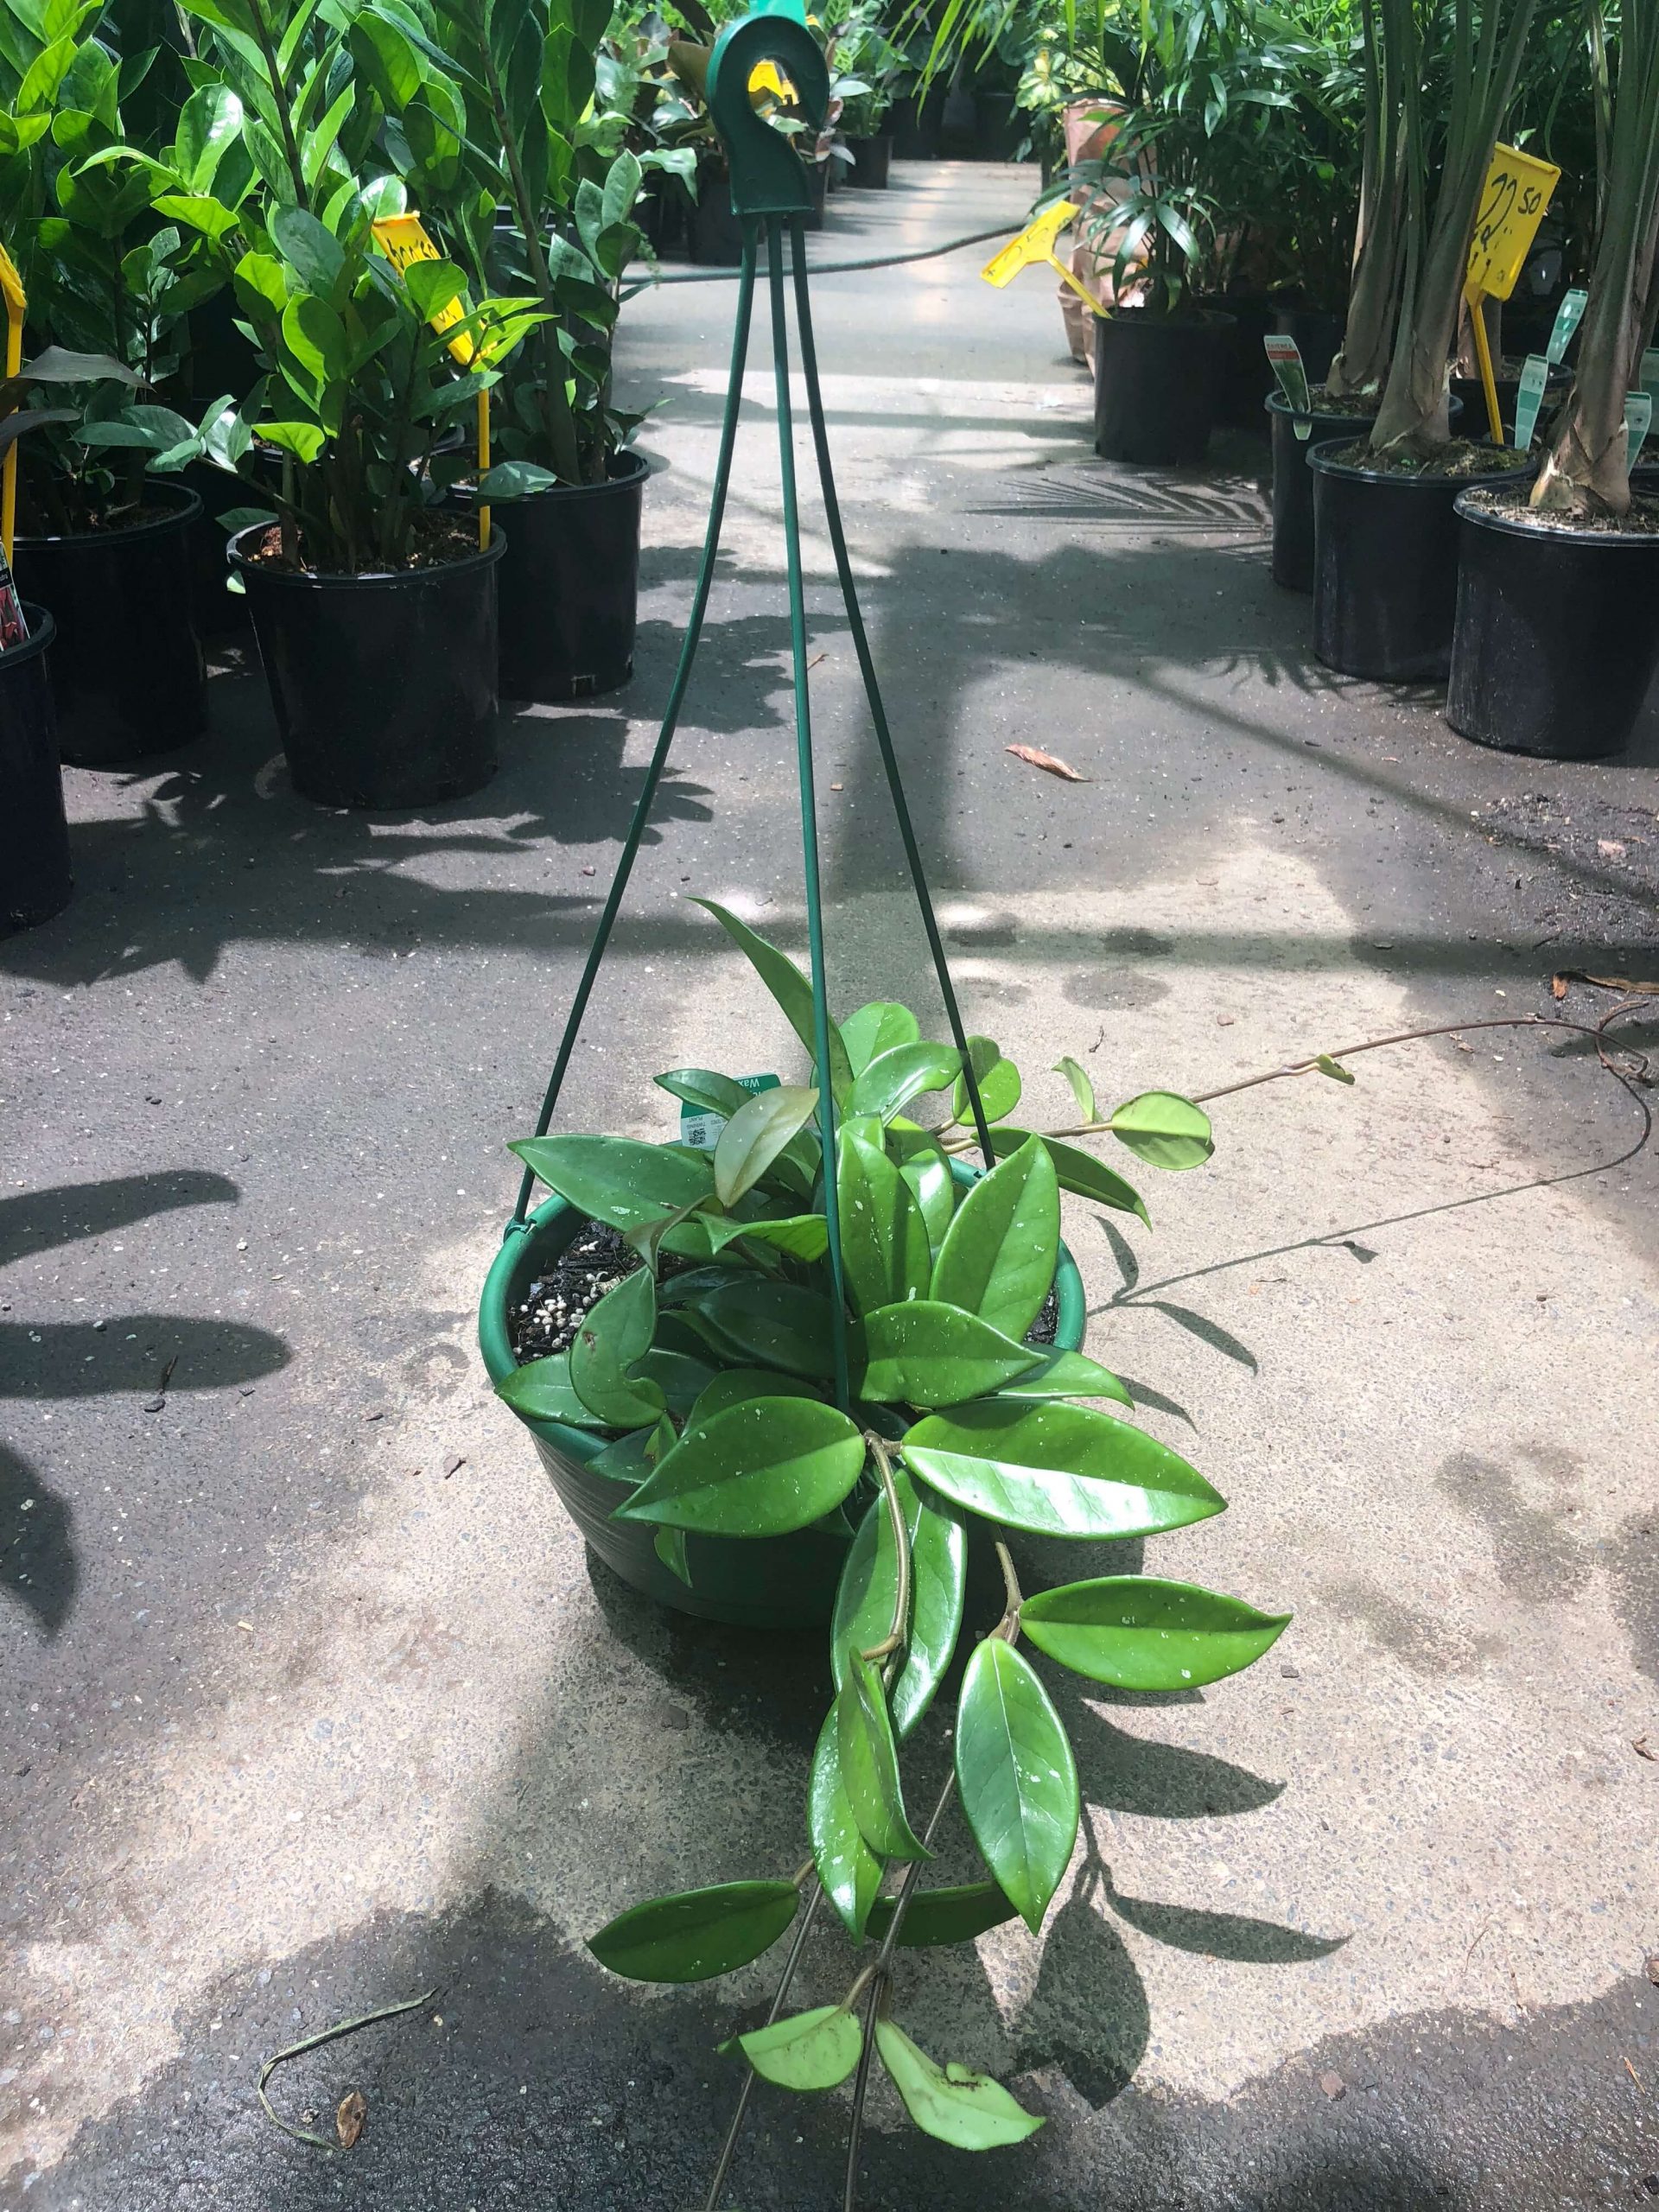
x: 1638, y: 419
x: 1648, y: 376
x: 702, y: 1130
x: 1529, y: 399
x: 1567, y: 321
x: 1286, y: 358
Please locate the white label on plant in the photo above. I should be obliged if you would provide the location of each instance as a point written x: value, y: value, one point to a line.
x: 1638, y: 416
x: 702, y: 1130
x: 1292, y: 378
x: 1529, y: 399
x: 1567, y: 321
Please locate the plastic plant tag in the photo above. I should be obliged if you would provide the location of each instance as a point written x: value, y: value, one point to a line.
x: 1567, y: 321
x: 1648, y: 376
x: 1638, y: 417
x: 14, y: 631
x: 702, y: 1130
x: 1529, y: 399
x: 1036, y: 243
x: 1512, y: 204
x: 1291, y: 376
x: 405, y: 240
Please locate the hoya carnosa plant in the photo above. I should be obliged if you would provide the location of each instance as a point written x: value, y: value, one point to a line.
x: 891, y: 1389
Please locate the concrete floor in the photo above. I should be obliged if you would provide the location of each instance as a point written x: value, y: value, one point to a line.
x: 299, y: 1723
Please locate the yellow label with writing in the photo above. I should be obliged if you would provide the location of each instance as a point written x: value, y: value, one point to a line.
x: 405, y: 240
x: 1512, y: 204
x: 1035, y: 244
x: 11, y: 285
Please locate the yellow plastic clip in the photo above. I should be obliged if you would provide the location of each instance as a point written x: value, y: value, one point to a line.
x: 11, y: 285
x: 405, y: 240
x: 1035, y: 244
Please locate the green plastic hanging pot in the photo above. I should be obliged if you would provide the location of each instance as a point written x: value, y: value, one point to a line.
x: 751, y: 1582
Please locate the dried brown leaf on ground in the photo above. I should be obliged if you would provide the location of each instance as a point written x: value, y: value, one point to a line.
x: 353, y: 2111
x: 1050, y: 763
x: 1558, y: 983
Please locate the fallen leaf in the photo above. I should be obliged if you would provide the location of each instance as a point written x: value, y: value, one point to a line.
x: 1557, y: 988
x: 1606, y: 983
x: 1643, y: 1749
x: 1034, y: 758
x: 349, y: 2117
x: 1333, y: 2085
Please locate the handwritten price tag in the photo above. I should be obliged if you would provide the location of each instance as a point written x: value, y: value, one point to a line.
x: 1512, y: 205
x: 404, y: 240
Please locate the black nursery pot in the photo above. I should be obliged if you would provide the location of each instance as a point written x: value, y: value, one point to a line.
x: 1293, y: 485
x: 1472, y: 393
x: 34, y: 880
x: 1385, y: 567
x: 1155, y: 385
x: 568, y: 586
x: 1556, y: 643
x: 384, y: 687
x: 127, y: 677
x: 1318, y: 334
x: 712, y: 232
x: 871, y: 161
x: 1244, y: 375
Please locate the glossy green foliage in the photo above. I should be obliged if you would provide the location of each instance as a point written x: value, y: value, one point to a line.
x: 1138, y: 1633
x: 735, y: 1384
x: 1165, y: 1130
x: 967, y: 2110
x: 1018, y: 1779
x: 616, y: 1180
x: 756, y: 1322
x: 877, y: 1028
x: 790, y: 988
x: 930, y: 1354
x: 1079, y: 1173
x: 761, y: 1468
x: 999, y: 1254
x: 894, y: 1078
x: 697, y: 1934
x: 938, y: 1545
x: 613, y: 1336
x: 762, y: 1128
x: 1067, y: 1374
x: 809, y: 2051
x: 947, y: 1915
x: 541, y: 1390
x: 1057, y: 1469
x: 999, y: 1083
x: 869, y: 1763
x: 1082, y: 1089
x: 884, y: 1242
x: 849, y: 1869
x: 925, y: 1165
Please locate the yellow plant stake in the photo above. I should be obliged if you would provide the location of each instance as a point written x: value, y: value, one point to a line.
x: 12, y: 285
x: 1512, y: 204
x: 405, y: 240
x: 1035, y: 244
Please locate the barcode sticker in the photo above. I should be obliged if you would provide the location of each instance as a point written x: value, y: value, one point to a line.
x: 701, y: 1129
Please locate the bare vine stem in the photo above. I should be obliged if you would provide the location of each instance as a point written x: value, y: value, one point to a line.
x: 897, y: 1633
x: 729, y: 2148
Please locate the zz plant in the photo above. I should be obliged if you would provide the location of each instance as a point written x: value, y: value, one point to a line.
x: 947, y: 1420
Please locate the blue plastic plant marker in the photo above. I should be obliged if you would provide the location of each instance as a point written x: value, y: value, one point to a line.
x: 1529, y: 399
x: 1567, y: 321
x: 1639, y: 417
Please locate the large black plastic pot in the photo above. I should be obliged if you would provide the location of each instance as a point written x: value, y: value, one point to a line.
x: 568, y: 586
x: 1556, y: 640
x: 1244, y: 375
x: 1292, y: 485
x: 1155, y: 384
x: 712, y: 232
x: 1472, y: 393
x: 1385, y: 567
x: 755, y: 1582
x: 34, y: 879
x: 871, y: 161
x: 1317, y: 333
x: 127, y: 677
x: 384, y: 687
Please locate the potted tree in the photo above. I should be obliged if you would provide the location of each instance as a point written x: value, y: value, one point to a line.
x: 877, y: 73
x: 1555, y: 643
x: 1385, y: 573
x: 759, y: 1422
x: 99, y: 541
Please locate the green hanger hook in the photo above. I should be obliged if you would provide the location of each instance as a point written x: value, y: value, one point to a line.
x: 768, y: 175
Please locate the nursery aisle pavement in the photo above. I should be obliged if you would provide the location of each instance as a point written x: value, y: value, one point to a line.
x: 312, y: 1701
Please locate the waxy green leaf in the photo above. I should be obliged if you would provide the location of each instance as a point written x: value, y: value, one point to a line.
x: 951, y: 2102
x: 875, y: 1028
x: 669, y: 1544
x: 762, y: 1128
x: 697, y: 1934
x: 790, y: 988
x: 999, y: 1254
x: 737, y: 1384
x: 999, y: 1083
x: 802, y: 1235
x: 703, y: 1087
x: 884, y: 1247
x: 810, y: 2051
x: 681, y: 1378
x: 926, y: 1354
x: 947, y: 1915
x: 849, y: 1869
x: 1141, y: 1634
x: 864, y: 1597
x: 616, y: 1333
x: 1068, y: 1375
x: 905, y: 1072
x: 760, y: 1324
x: 925, y: 1165
x: 1334, y: 1068
x: 1079, y: 1173
x: 1082, y: 1088
x: 759, y: 1469
x: 1018, y: 1779
x: 1057, y: 1469
x: 541, y: 1390
x: 1164, y: 1129
x: 869, y: 1763
x: 617, y: 1180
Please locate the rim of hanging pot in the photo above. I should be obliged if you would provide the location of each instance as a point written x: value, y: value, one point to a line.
x: 1322, y: 459
x: 484, y: 557
x: 633, y: 470
x: 182, y: 505
x: 1515, y: 524
x: 495, y: 1341
x: 42, y: 632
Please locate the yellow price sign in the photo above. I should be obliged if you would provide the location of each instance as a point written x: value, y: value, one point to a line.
x: 1035, y: 246
x: 405, y: 240
x: 1512, y: 204
x: 11, y: 287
